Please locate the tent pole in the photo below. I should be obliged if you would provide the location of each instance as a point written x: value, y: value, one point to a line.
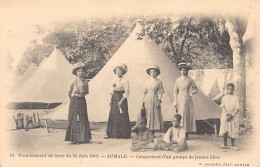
x: 215, y: 128
x: 46, y: 124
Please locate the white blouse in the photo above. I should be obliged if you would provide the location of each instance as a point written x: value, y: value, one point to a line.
x: 175, y: 134
x: 120, y: 84
x: 78, y: 87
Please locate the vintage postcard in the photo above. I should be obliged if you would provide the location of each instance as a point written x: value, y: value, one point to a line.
x: 129, y: 83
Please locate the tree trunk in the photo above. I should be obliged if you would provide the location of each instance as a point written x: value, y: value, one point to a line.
x: 237, y: 45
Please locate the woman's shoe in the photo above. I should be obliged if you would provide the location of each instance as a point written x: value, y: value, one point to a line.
x: 223, y: 147
x: 235, y: 148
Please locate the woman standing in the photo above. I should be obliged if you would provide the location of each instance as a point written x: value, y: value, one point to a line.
x: 183, y: 102
x: 153, y: 98
x: 118, y: 122
x: 78, y: 130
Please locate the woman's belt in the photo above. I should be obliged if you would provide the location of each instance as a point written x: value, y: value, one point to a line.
x: 78, y: 95
x: 119, y: 91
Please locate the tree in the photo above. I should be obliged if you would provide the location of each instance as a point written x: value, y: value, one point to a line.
x: 92, y: 42
x: 34, y: 54
x: 192, y: 39
x: 237, y: 28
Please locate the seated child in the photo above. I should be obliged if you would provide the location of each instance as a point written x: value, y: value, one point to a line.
x: 229, y: 121
x: 143, y: 139
x: 174, y: 138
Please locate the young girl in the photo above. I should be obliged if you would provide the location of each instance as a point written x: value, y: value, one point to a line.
x: 229, y: 117
x: 118, y: 122
x: 174, y: 138
x: 78, y: 130
x: 152, y: 99
x: 183, y: 102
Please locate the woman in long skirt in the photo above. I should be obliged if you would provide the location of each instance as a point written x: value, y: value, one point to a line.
x: 78, y: 130
x: 152, y: 99
x: 183, y: 102
x: 118, y: 121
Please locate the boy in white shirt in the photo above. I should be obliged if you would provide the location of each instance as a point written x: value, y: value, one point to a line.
x: 174, y: 138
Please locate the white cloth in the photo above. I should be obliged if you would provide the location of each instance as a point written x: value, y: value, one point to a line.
x: 120, y: 84
x: 78, y: 87
x: 153, y: 87
x: 175, y: 134
x: 229, y: 105
x: 184, y: 104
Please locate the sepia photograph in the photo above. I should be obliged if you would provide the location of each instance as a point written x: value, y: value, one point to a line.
x: 129, y: 83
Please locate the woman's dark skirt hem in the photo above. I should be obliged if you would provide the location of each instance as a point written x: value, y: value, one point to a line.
x: 78, y: 130
x: 118, y: 123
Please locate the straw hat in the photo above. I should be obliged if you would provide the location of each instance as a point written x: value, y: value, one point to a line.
x: 121, y: 66
x: 77, y: 66
x: 184, y: 65
x: 154, y: 67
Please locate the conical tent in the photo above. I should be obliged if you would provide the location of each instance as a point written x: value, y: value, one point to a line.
x: 137, y: 55
x: 43, y: 60
x: 27, y: 74
x: 49, y: 83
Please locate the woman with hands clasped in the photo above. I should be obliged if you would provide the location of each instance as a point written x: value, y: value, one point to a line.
x: 118, y: 122
x: 182, y: 98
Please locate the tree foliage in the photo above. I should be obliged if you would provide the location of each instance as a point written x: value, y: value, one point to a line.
x: 192, y: 39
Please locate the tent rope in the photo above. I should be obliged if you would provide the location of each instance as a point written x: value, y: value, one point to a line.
x: 208, y: 123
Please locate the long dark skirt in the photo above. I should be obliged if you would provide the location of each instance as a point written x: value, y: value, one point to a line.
x: 78, y: 130
x: 118, y: 123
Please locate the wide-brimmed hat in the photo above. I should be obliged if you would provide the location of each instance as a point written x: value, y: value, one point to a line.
x: 156, y: 68
x: 121, y: 66
x: 139, y: 121
x: 77, y: 66
x: 184, y: 65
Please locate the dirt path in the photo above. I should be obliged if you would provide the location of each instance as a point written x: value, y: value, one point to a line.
x: 39, y: 141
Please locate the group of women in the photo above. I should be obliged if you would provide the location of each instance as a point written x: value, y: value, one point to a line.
x: 78, y: 130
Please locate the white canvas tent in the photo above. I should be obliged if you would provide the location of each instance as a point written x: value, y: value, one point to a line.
x: 43, y: 60
x: 48, y: 84
x: 212, y: 82
x: 137, y: 55
x: 26, y: 75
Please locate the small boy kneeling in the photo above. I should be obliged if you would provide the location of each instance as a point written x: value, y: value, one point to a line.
x: 174, y: 138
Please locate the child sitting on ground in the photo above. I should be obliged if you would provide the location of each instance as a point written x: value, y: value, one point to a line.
x: 174, y: 138
x: 229, y: 117
x: 143, y: 139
